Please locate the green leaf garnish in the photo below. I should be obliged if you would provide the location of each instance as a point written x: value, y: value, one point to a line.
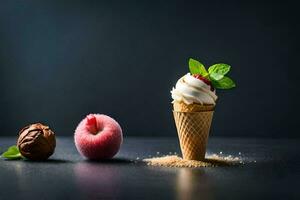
x: 216, y: 73
x: 12, y: 153
x: 197, y: 68
x: 216, y: 76
x: 224, y: 83
x: 220, y: 68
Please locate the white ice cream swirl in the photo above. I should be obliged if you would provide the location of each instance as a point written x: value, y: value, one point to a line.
x: 190, y: 90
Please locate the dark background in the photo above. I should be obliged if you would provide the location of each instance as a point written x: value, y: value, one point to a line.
x: 60, y: 60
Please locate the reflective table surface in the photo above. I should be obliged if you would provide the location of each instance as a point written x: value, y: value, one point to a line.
x: 271, y: 170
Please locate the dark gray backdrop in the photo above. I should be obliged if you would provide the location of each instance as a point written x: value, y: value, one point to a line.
x: 60, y: 60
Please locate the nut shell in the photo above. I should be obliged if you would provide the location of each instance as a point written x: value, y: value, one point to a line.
x: 36, y: 142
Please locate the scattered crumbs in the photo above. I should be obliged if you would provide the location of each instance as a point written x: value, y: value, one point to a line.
x: 157, y: 153
x: 221, y: 152
x: 210, y: 161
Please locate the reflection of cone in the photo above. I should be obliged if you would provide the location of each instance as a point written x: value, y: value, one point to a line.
x: 193, y: 129
x: 191, y: 182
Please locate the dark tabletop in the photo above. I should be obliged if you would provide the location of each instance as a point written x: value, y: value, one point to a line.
x: 270, y: 171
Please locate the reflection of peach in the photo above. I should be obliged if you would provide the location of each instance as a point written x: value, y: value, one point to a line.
x: 193, y: 183
x: 98, y: 137
x: 95, y: 180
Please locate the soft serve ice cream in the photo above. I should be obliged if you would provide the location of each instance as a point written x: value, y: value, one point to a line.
x: 194, y: 89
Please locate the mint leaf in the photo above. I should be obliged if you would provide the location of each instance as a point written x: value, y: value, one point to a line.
x: 220, y: 68
x: 196, y: 67
x: 12, y: 153
x: 216, y: 76
x: 224, y: 83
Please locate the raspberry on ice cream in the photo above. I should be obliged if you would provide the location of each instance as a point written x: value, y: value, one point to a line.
x: 98, y: 136
x: 205, y: 80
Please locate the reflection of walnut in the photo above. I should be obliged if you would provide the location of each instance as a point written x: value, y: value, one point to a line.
x: 36, y: 142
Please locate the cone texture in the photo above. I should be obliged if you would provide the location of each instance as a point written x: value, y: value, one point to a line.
x: 193, y: 129
x: 194, y: 107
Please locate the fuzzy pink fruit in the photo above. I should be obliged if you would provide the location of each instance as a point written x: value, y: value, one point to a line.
x: 98, y: 137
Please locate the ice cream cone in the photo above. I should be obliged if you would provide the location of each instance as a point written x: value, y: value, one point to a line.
x: 193, y: 130
x: 194, y: 99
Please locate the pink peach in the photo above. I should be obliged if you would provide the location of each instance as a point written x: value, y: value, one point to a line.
x: 98, y: 136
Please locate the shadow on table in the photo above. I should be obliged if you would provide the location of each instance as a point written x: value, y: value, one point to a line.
x: 50, y: 161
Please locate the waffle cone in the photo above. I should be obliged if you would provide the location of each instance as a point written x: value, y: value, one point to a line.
x: 194, y: 107
x: 193, y: 130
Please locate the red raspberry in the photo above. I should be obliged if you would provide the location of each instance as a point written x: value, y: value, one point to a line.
x: 205, y: 80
